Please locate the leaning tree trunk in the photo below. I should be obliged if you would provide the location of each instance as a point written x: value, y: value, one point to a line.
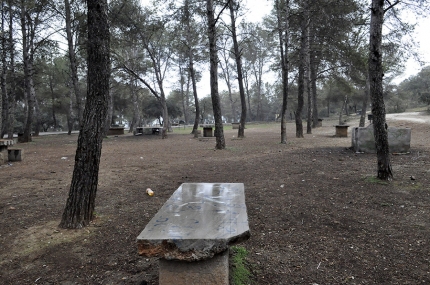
x: 376, y: 91
x: 80, y: 204
x: 216, y: 104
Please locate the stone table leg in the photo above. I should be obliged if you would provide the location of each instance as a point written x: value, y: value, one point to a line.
x: 212, y: 271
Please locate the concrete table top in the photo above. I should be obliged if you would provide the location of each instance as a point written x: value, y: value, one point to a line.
x: 198, y: 221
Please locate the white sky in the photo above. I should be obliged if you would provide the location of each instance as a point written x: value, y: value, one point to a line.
x: 257, y: 9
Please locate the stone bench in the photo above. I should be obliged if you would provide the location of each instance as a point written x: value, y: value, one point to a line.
x: 193, y: 230
x: 148, y: 131
x: 363, y: 139
x: 4, y: 144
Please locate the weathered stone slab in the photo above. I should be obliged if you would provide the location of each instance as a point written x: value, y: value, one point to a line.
x: 363, y: 140
x: 212, y: 271
x: 198, y: 221
x: 4, y: 144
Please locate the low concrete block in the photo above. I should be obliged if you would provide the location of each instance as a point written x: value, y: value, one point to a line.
x: 363, y: 140
x: 15, y: 154
x: 341, y: 130
x: 213, y: 271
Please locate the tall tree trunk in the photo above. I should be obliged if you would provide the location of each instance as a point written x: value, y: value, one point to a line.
x: 226, y: 75
x: 70, y: 114
x: 283, y: 31
x: 73, y: 61
x: 12, y: 90
x: 80, y: 204
x: 308, y: 81
x: 248, y: 96
x: 216, y: 104
x: 314, y: 68
x: 301, y: 78
x: 238, y: 57
x: 27, y: 48
x: 37, y: 117
x: 109, y: 114
x: 376, y: 91
x: 3, y: 95
x: 344, y: 105
x: 196, y: 98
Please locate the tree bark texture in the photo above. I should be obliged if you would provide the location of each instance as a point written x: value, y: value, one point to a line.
x: 3, y: 73
x: 282, y: 13
x: 238, y: 58
x: 301, y: 79
x: 27, y: 54
x: 376, y: 91
x: 80, y: 204
x: 12, y: 91
x: 216, y: 104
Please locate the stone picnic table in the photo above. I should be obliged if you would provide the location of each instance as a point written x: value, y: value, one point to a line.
x: 193, y: 230
x: 148, y: 131
x: 207, y: 130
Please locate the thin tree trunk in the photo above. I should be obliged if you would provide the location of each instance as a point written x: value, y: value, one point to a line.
x: 3, y: 112
x: 80, y: 204
x: 238, y: 57
x: 365, y: 101
x: 308, y: 81
x: 376, y: 73
x: 27, y: 42
x: 301, y: 79
x: 37, y: 117
x: 196, y: 98
x: 216, y: 104
x: 342, y: 109
x: 314, y: 67
x: 135, y: 99
x: 73, y: 61
x: 226, y: 75
x: 12, y: 90
x: 283, y: 46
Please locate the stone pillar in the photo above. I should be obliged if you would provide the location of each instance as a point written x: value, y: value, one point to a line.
x: 213, y: 271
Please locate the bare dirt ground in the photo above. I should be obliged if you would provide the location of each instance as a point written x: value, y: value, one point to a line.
x: 316, y: 214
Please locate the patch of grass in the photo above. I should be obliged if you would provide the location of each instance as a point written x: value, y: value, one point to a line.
x: 183, y: 131
x: 240, y: 274
x: 373, y: 179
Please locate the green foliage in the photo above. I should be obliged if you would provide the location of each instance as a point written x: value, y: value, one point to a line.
x: 240, y: 274
x: 416, y: 88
